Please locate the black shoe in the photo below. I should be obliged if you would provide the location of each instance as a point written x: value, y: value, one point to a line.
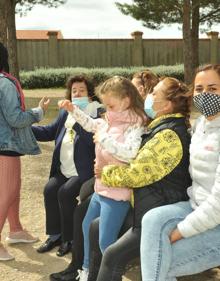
x: 69, y: 274
x: 48, y: 245
x: 65, y: 248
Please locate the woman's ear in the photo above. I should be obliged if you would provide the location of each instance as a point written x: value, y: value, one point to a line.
x: 168, y: 108
x: 141, y: 89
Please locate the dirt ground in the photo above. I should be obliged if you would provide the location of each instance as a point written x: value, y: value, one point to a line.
x: 28, y: 264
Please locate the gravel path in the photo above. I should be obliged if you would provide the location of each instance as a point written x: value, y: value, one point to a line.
x: 29, y: 265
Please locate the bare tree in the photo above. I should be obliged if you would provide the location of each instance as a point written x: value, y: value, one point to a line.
x: 3, y: 21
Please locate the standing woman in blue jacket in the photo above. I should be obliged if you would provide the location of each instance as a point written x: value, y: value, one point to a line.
x: 16, y: 139
x: 72, y: 165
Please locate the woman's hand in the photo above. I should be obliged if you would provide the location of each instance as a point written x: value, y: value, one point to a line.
x: 175, y: 236
x: 66, y: 104
x: 97, y: 171
x: 44, y: 103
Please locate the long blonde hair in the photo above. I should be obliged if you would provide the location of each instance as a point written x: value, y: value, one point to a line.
x: 121, y: 88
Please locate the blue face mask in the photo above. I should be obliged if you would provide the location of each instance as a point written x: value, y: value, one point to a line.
x: 81, y: 102
x: 148, y: 107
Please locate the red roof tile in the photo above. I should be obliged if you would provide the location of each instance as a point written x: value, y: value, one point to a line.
x: 36, y: 34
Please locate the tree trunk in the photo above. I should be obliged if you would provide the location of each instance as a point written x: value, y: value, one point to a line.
x: 187, y: 43
x: 195, y: 34
x: 12, y: 40
x: 4, y: 5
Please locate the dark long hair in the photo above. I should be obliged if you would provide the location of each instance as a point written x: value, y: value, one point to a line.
x: 4, y: 66
x: 147, y: 79
x: 88, y: 83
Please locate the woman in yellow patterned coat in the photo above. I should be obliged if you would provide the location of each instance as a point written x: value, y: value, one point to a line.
x: 158, y: 175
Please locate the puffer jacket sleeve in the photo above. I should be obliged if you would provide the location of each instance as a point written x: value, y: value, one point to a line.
x: 87, y: 122
x: 205, y: 216
x: 127, y: 150
x: 156, y: 159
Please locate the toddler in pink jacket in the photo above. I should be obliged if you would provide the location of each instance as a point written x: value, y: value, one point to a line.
x: 118, y: 138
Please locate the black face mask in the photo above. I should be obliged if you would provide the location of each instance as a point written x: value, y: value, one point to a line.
x: 207, y: 103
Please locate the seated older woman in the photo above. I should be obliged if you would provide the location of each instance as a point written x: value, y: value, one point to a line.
x: 72, y: 164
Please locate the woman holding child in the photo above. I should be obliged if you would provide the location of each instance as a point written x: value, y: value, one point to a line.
x: 158, y: 175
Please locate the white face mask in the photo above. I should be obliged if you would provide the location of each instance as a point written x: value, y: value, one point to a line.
x: 207, y: 103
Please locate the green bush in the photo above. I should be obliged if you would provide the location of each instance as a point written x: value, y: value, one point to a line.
x: 57, y: 77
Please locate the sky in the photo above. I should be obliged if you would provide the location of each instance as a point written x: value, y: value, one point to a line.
x: 92, y: 19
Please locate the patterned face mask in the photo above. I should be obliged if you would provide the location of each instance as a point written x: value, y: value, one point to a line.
x: 207, y: 103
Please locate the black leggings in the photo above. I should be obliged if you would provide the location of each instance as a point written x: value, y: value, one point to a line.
x: 78, y: 249
x: 86, y: 192
x: 60, y: 201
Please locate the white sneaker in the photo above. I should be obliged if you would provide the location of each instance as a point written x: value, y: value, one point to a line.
x: 82, y: 275
x: 4, y: 254
x: 22, y: 236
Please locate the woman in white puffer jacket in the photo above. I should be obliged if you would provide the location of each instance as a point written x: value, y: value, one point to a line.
x: 183, y: 238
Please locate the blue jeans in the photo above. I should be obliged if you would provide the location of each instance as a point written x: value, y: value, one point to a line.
x: 162, y: 261
x: 112, y: 214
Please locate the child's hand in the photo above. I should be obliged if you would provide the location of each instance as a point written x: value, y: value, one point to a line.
x: 66, y: 104
x: 97, y: 171
x: 96, y: 138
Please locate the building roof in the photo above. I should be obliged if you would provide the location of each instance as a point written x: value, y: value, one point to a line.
x: 36, y: 34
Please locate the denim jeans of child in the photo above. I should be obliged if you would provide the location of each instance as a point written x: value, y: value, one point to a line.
x: 112, y: 214
x: 163, y: 261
